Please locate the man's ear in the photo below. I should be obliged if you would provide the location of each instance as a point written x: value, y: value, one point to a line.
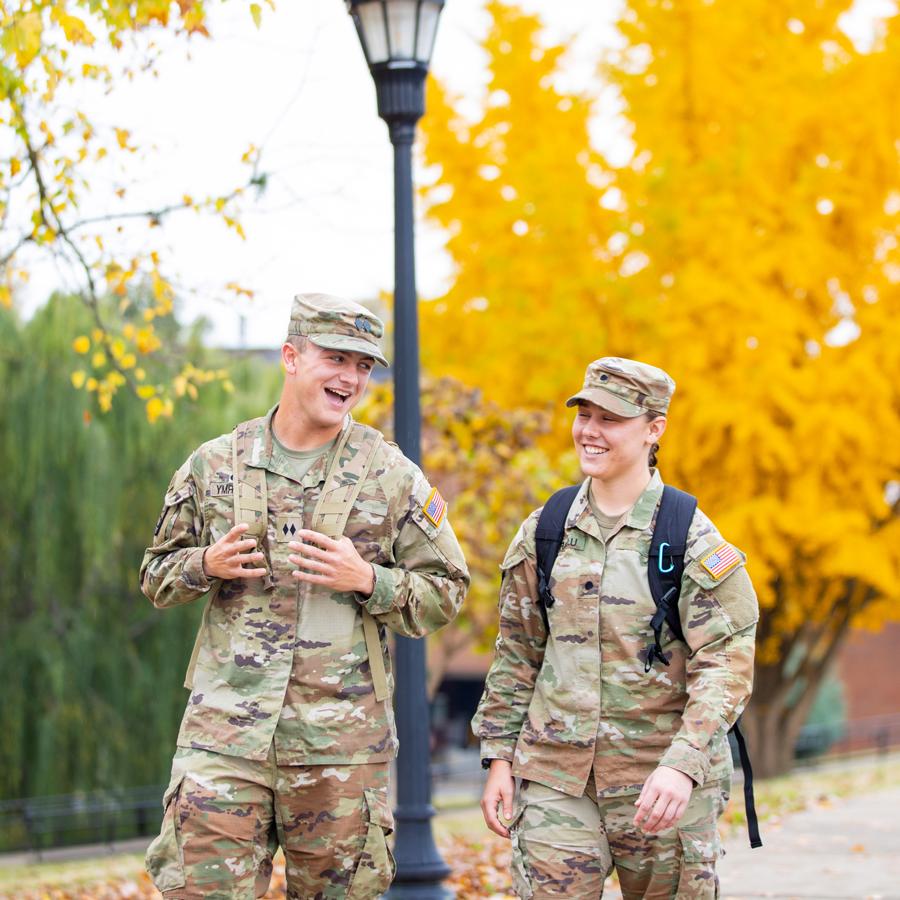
x: 289, y: 357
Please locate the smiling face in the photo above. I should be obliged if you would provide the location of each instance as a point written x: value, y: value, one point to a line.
x: 611, y: 446
x: 320, y: 387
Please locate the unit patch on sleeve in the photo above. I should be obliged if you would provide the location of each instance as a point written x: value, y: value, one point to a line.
x: 435, y: 508
x: 721, y: 561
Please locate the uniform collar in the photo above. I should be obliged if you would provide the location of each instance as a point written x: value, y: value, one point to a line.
x: 640, y: 517
x: 273, y: 460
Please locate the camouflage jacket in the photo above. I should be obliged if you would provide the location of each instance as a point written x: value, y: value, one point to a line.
x: 560, y: 704
x: 283, y: 660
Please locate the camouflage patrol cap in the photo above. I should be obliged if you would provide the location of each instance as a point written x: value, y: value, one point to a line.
x: 337, y: 324
x: 626, y: 387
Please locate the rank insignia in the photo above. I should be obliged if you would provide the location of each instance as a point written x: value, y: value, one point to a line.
x: 435, y: 508
x: 721, y: 561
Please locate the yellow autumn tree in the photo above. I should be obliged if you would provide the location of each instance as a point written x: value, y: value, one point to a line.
x: 749, y: 246
x: 484, y: 459
x: 50, y: 52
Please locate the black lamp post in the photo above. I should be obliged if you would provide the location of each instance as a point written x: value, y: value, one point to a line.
x: 397, y: 37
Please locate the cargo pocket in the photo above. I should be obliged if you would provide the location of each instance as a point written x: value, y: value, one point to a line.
x: 375, y: 870
x: 164, y: 859
x: 520, y: 878
x: 700, y: 851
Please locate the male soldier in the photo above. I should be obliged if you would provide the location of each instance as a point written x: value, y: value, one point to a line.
x: 307, y: 535
x: 620, y: 741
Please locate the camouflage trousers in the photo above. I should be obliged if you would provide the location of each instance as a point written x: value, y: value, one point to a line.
x: 225, y: 816
x: 567, y: 846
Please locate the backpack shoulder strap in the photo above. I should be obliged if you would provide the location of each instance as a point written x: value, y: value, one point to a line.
x: 548, y: 539
x: 249, y: 482
x: 665, y: 566
x: 353, y: 457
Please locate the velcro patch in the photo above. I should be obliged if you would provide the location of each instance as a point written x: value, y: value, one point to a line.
x: 721, y: 561
x: 286, y: 528
x: 435, y: 508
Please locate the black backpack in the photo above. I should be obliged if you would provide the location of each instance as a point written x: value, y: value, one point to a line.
x: 665, y: 569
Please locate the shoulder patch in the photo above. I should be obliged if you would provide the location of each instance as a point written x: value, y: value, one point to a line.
x: 721, y: 560
x: 435, y: 508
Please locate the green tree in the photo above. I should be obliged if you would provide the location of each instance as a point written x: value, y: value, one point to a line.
x: 92, y: 672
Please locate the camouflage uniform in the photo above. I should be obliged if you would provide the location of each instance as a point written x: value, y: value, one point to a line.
x: 282, y: 704
x: 583, y: 725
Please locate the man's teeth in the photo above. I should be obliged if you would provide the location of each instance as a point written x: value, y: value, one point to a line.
x: 342, y: 394
x: 594, y: 451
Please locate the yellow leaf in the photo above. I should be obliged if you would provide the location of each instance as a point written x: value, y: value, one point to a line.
x: 5, y: 296
x: 122, y: 135
x: 155, y: 408
x: 81, y: 344
x: 128, y: 361
x: 78, y: 379
x: 15, y: 166
x: 91, y: 384
x: 22, y: 36
x: 75, y: 30
x: 145, y: 391
x: 98, y: 360
x: 256, y: 14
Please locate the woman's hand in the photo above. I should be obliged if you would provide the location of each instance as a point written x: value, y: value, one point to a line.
x: 663, y: 800
x: 499, y: 789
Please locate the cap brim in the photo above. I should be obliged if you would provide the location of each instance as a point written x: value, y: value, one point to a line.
x: 345, y: 342
x: 610, y: 401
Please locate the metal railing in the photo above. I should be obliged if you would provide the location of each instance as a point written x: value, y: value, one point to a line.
x: 101, y: 817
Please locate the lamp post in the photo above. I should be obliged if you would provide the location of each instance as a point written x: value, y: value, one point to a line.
x: 397, y: 38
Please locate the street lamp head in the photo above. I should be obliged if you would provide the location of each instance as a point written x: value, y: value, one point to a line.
x: 397, y: 38
x: 396, y: 33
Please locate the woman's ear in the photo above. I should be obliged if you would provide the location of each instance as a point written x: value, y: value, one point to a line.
x: 657, y: 427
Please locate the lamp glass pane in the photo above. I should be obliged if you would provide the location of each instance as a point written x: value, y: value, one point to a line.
x: 428, y: 22
x: 371, y: 23
x: 402, y: 28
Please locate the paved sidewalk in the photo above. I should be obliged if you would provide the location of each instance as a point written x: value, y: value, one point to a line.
x: 849, y: 849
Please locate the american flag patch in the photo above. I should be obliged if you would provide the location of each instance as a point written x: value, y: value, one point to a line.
x: 723, y: 559
x: 436, y: 508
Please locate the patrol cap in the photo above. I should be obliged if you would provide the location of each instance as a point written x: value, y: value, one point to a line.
x: 626, y: 387
x: 337, y: 324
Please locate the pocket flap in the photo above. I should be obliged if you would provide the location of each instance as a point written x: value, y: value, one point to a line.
x: 700, y: 845
x: 379, y: 809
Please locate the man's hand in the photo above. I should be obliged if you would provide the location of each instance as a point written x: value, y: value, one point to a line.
x: 663, y: 800
x: 228, y: 555
x: 498, y: 789
x: 335, y: 564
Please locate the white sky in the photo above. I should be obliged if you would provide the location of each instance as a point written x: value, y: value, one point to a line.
x: 299, y: 88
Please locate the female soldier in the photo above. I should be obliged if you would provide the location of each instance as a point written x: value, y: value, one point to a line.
x: 623, y: 757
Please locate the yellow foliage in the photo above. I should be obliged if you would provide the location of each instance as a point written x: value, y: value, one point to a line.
x: 52, y: 52
x: 81, y: 344
x: 21, y: 36
x: 78, y: 378
x: 155, y: 408
x: 747, y: 246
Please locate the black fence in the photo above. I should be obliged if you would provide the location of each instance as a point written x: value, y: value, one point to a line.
x: 106, y: 817
x: 101, y: 817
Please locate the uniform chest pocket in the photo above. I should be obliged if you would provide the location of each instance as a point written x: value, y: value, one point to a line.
x: 575, y: 589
